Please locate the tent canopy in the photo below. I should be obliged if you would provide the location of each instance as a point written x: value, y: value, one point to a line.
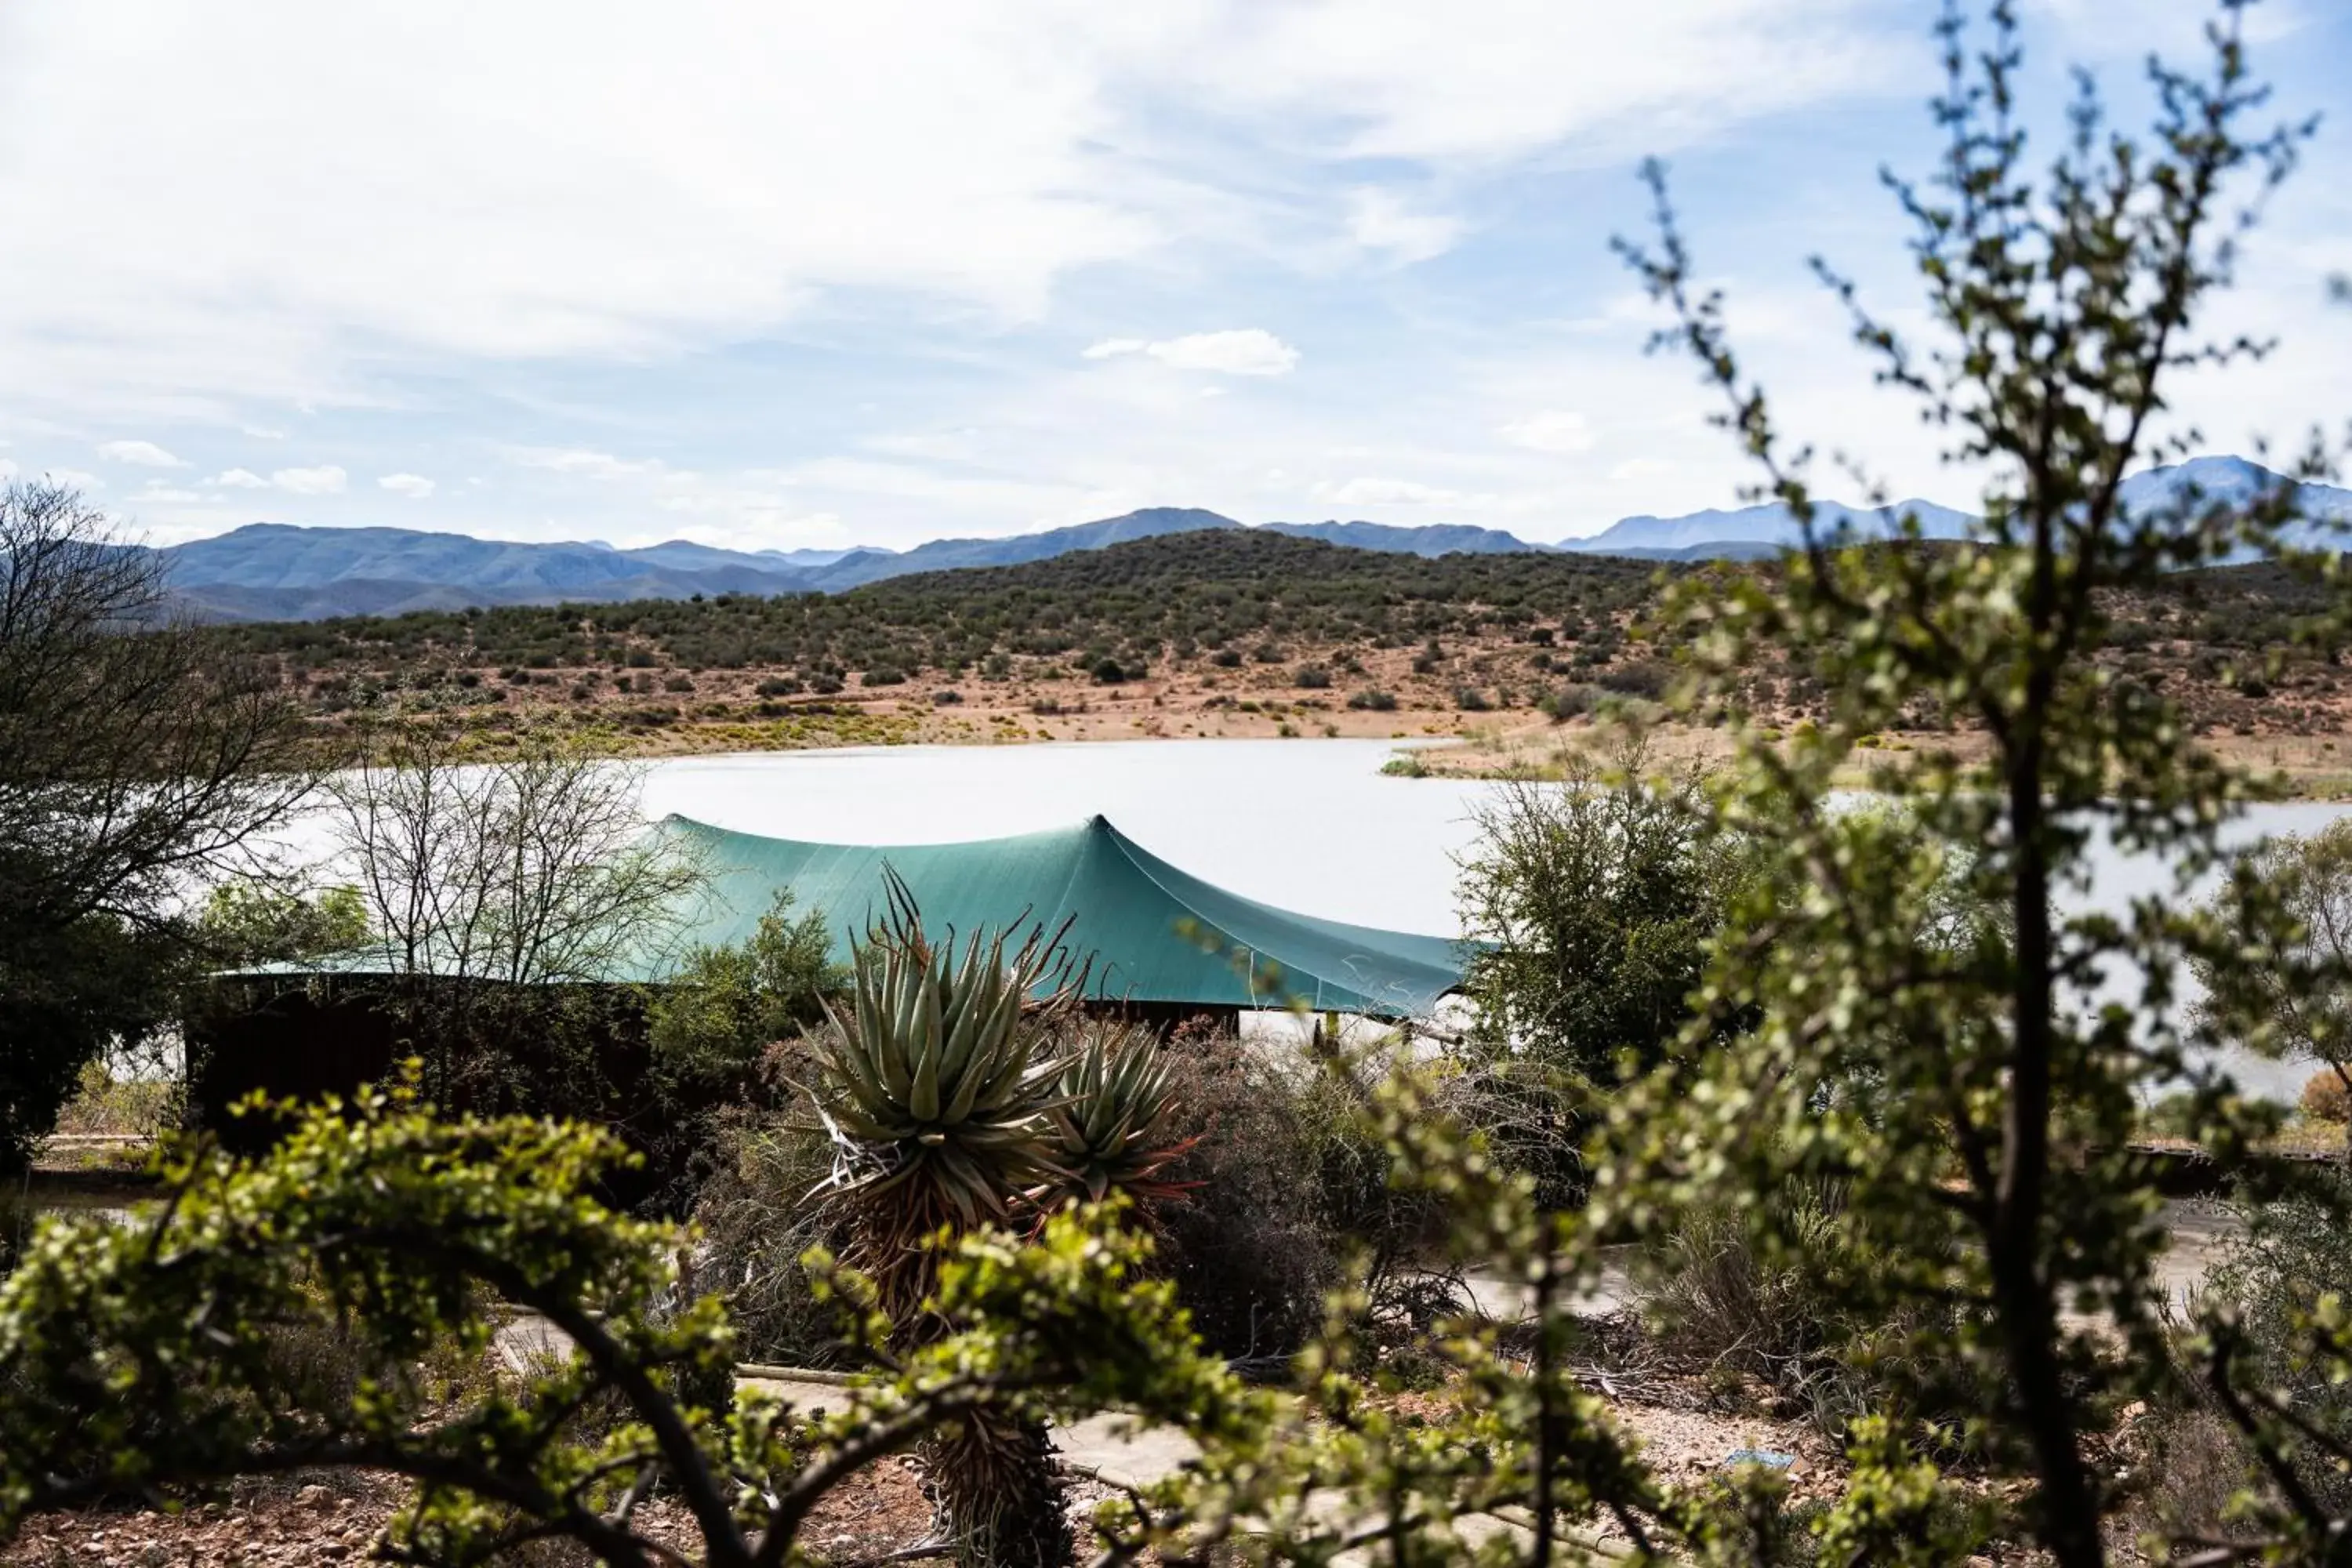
x: 1154, y: 933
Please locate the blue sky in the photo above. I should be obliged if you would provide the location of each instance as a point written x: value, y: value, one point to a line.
x: 799, y: 274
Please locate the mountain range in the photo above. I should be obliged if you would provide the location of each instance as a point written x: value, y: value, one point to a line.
x: 268, y: 571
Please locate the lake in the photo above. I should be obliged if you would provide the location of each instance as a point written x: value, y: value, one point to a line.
x: 1311, y: 826
x: 1308, y: 825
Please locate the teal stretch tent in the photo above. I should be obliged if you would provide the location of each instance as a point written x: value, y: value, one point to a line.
x: 1155, y: 934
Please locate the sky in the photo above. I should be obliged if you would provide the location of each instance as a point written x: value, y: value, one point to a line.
x: 771, y: 273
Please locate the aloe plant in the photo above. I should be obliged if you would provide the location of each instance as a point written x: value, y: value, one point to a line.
x: 959, y: 1096
x: 1115, y: 1101
x: 935, y: 1082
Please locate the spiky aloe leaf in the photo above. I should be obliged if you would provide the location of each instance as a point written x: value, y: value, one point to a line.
x: 1114, y: 1122
x: 943, y: 1081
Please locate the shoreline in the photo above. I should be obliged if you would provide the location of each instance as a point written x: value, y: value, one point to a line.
x: 1451, y: 746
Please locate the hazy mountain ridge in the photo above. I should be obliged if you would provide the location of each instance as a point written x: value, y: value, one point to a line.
x: 1769, y: 524
x: 286, y: 572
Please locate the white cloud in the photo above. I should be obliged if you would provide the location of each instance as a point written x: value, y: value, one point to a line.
x: 1246, y: 350
x: 1553, y: 430
x: 940, y: 446
x: 139, y: 454
x: 7, y: 469
x: 163, y: 492
x: 324, y: 480
x: 914, y: 187
x: 1479, y: 80
x: 454, y: 189
x: 415, y: 487
x: 1379, y: 220
x: 74, y: 480
x: 1373, y: 491
x: 577, y: 460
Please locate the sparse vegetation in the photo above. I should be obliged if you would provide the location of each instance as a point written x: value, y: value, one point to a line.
x: 1819, y: 1065
x: 1166, y: 619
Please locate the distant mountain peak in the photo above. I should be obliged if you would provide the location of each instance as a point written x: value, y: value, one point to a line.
x: 279, y: 571
x: 1768, y: 526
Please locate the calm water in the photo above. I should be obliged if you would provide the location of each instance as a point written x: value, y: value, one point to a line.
x: 1311, y: 826
x: 1308, y: 825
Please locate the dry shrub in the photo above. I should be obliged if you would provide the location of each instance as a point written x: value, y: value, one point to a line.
x: 757, y: 1221
x: 2296, y: 1250
x: 2325, y: 1097
x: 128, y: 1107
x: 18, y: 1217
x: 2185, y: 1464
x: 1252, y: 1246
x: 1802, y: 1317
x: 1289, y: 1198
x: 1285, y: 1195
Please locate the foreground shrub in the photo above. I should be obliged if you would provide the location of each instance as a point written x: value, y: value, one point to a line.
x: 1253, y: 1246
x: 1286, y: 1198
x: 1797, y: 1318
x: 2296, y: 1252
x: 285, y: 1314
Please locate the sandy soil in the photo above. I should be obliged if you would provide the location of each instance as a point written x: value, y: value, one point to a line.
x: 1509, y: 737
x: 339, y: 1518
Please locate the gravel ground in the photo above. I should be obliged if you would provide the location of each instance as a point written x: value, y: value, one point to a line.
x: 337, y: 1519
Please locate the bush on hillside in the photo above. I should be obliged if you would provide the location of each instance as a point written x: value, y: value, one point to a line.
x: 1643, y: 679
x: 1565, y: 702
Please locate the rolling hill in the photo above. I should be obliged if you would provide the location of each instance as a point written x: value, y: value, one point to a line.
x: 281, y: 572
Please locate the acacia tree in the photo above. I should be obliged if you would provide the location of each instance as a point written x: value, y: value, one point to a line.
x: 497, y: 892
x: 1996, y: 1176
x: 323, y: 1308
x: 139, y: 758
x: 1923, y: 948
x: 2287, y: 990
